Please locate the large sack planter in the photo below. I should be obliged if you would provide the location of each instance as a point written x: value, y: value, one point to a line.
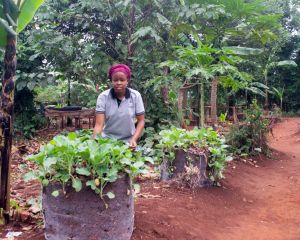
x: 176, y: 168
x: 84, y: 216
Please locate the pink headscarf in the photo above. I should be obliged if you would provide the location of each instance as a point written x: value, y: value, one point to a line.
x: 119, y: 68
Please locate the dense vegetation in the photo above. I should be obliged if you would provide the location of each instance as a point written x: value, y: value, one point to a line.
x: 250, y: 49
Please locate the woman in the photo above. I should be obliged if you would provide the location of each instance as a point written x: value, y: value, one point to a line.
x: 118, y: 107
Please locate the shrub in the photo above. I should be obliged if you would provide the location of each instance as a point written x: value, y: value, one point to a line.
x: 27, y: 117
x: 249, y: 137
x: 197, y: 140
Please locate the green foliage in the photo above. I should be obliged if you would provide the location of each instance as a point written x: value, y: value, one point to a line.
x: 222, y: 117
x: 76, y: 159
x: 15, y: 15
x: 292, y: 113
x: 249, y: 138
x: 27, y: 118
x: 81, y: 94
x: 50, y: 94
x: 79, y: 40
x: 205, y: 139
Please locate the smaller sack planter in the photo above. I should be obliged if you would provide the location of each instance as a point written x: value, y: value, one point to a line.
x: 196, y: 157
x: 87, y: 187
x: 190, y: 168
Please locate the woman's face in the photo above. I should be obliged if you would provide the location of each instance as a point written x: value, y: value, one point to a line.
x: 119, y: 82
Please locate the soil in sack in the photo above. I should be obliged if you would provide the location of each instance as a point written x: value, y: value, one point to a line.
x: 83, y: 215
x: 183, y: 160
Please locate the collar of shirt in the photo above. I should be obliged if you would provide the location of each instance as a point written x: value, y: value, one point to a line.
x: 113, y: 94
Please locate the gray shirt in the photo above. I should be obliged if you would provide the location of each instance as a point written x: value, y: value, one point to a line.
x: 119, y: 119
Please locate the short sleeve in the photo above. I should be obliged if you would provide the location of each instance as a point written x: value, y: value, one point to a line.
x: 139, y: 105
x: 100, y: 106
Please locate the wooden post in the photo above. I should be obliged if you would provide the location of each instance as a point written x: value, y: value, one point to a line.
x: 235, y: 118
x: 213, y: 101
x: 180, y: 107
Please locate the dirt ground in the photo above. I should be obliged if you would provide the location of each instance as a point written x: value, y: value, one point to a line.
x: 261, y: 203
x: 259, y: 199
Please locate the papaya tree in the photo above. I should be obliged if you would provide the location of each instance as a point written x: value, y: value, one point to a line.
x: 14, y: 16
x: 198, y: 65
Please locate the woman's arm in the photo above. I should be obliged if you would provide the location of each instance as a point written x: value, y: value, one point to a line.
x: 99, y: 124
x: 138, y: 131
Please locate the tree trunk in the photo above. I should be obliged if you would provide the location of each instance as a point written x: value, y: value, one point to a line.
x: 131, y: 25
x: 201, y: 110
x: 6, y: 121
x: 181, y: 96
x: 213, y: 101
x: 266, y: 91
x: 165, y: 90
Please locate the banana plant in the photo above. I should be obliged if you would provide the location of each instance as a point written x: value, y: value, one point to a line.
x: 269, y: 66
x: 14, y: 17
x: 279, y: 93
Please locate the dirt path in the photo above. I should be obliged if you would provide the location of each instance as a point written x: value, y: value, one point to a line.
x: 261, y: 203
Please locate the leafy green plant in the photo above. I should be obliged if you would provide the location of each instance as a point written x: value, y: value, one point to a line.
x: 249, y: 137
x: 77, y: 159
x: 198, y: 139
x: 222, y: 117
x: 279, y: 94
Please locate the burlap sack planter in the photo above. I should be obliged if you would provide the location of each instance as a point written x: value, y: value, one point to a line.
x: 174, y: 169
x: 83, y: 215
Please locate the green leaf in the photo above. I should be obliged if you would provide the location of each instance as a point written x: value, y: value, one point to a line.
x: 149, y: 159
x: 27, y: 11
x: 72, y: 136
x: 125, y: 161
x: 163, y: 20
x: 29, y: 176
x: 77, y: 184
x: 30, y: 85
x: 110, y: 195
x: 256, y: 91
x: 287, y: 63
x: 33, y: 57
x: 45, y: 182
x: 83, y: 171
x: 245, y: 51
x: 55, y: 193
x: 49, y: 161
x: 138, y: 164
x: 92, y: 184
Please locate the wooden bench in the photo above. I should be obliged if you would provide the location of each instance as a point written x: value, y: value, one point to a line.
x: 78, y: 115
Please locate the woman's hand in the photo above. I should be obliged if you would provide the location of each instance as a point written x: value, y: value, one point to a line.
x: 132, y: 144
x: 139, y: 128
x: 100, y: 118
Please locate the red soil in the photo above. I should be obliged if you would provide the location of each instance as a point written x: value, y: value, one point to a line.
x: 253, y: 203
x: 261, y: 203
